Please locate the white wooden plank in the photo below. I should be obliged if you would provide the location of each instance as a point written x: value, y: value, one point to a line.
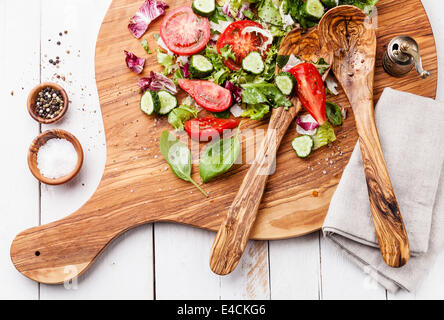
x: 19, y: 200
x: 251, y: 278
x: 182, y: 263
x: 295, y: 268
x: 341, y: 279
x: 125, y: 269
x: 182, y: 267
x: 434, y: 12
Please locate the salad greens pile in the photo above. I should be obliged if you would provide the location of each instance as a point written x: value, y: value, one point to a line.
x: 233, y: 62
x: 259, y: 93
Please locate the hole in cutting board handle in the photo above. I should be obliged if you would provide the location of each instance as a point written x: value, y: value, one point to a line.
x: 37, y: 253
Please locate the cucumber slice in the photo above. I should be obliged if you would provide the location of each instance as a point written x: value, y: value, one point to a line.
x: 167, y: 102
x: 253, y: 63
x: 313, y: 9
x: 285, y: 82
x: 200, y: 66
x: 150, y: 103
x: 204, y: 8
x: 282, y: 60
x: 303, y: 146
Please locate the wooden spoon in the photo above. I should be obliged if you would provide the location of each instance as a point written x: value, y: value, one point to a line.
x: 234, y: 232
x: 348, y: 32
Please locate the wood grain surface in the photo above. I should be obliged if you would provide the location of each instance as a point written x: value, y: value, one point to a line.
x: 348, y: 32
x: 136, y: 187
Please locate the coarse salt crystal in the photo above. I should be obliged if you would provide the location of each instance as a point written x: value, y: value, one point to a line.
x: 56, y: 158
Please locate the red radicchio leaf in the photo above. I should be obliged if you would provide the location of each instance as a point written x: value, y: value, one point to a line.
x: 235, y: 91
x: 186, y: 70
x: 226, y: 9
x: 149, y: 11
x: 307, y: 125
x: 157, y: 82
x: 133, y: 62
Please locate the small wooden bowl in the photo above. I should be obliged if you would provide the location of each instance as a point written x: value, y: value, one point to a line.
x: 40, y: 141
x: 33, y: 95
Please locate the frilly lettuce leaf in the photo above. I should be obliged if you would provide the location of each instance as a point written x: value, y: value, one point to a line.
x: 149, y: 11
x: 256, y: 111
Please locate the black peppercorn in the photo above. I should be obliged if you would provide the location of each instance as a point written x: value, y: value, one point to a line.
x: 49, y: 103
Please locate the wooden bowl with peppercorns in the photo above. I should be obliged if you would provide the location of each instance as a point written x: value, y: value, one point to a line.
x: 47, y: 102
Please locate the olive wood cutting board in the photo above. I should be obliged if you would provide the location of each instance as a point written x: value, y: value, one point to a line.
x: 137, y: 186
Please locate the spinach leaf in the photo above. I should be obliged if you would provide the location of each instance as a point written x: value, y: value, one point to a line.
x: 179, y: 115
x: 222, y: 115
x: 178, y: 156
x: 219, y: 157
x: 333, y: 113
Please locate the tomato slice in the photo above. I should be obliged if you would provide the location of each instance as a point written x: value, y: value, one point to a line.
x: 241, y: 44
x: 207, y: 94
x: 310, y: 90
x: 206, y: 129
x: 183, y: 32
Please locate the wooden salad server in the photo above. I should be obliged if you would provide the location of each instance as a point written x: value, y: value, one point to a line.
x: 234, y: 232
x: 347, y: 31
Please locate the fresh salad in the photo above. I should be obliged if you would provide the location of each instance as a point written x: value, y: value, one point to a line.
x: 223, y: 54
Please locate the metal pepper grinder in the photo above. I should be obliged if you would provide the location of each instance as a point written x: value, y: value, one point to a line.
x: 401, y: 55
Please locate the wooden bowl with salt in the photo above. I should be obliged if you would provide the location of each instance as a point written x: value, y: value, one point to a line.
x: 41, y: 140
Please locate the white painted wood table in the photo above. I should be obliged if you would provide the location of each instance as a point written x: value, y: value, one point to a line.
x: 161, y: 261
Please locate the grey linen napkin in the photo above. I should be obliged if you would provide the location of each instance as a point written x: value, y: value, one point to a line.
x: 411, y: 133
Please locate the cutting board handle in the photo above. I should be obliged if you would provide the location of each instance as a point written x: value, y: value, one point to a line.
x: 234, y: 232
x: 59, y: 251
x: 389, y: 225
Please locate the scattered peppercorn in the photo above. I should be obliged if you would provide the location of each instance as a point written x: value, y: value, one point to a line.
x: 58, y: 43
x: 66, y: 32
x: 60, y: 34
x: 49, y: 103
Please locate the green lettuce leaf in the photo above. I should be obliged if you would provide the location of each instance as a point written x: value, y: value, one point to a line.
x: 269, y: 13
x: 179, y: 115
x: 166, y: 61
x: 256, y: 111
x: 365, y: 5
x: 256, y: 93
x: 324, y: 135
